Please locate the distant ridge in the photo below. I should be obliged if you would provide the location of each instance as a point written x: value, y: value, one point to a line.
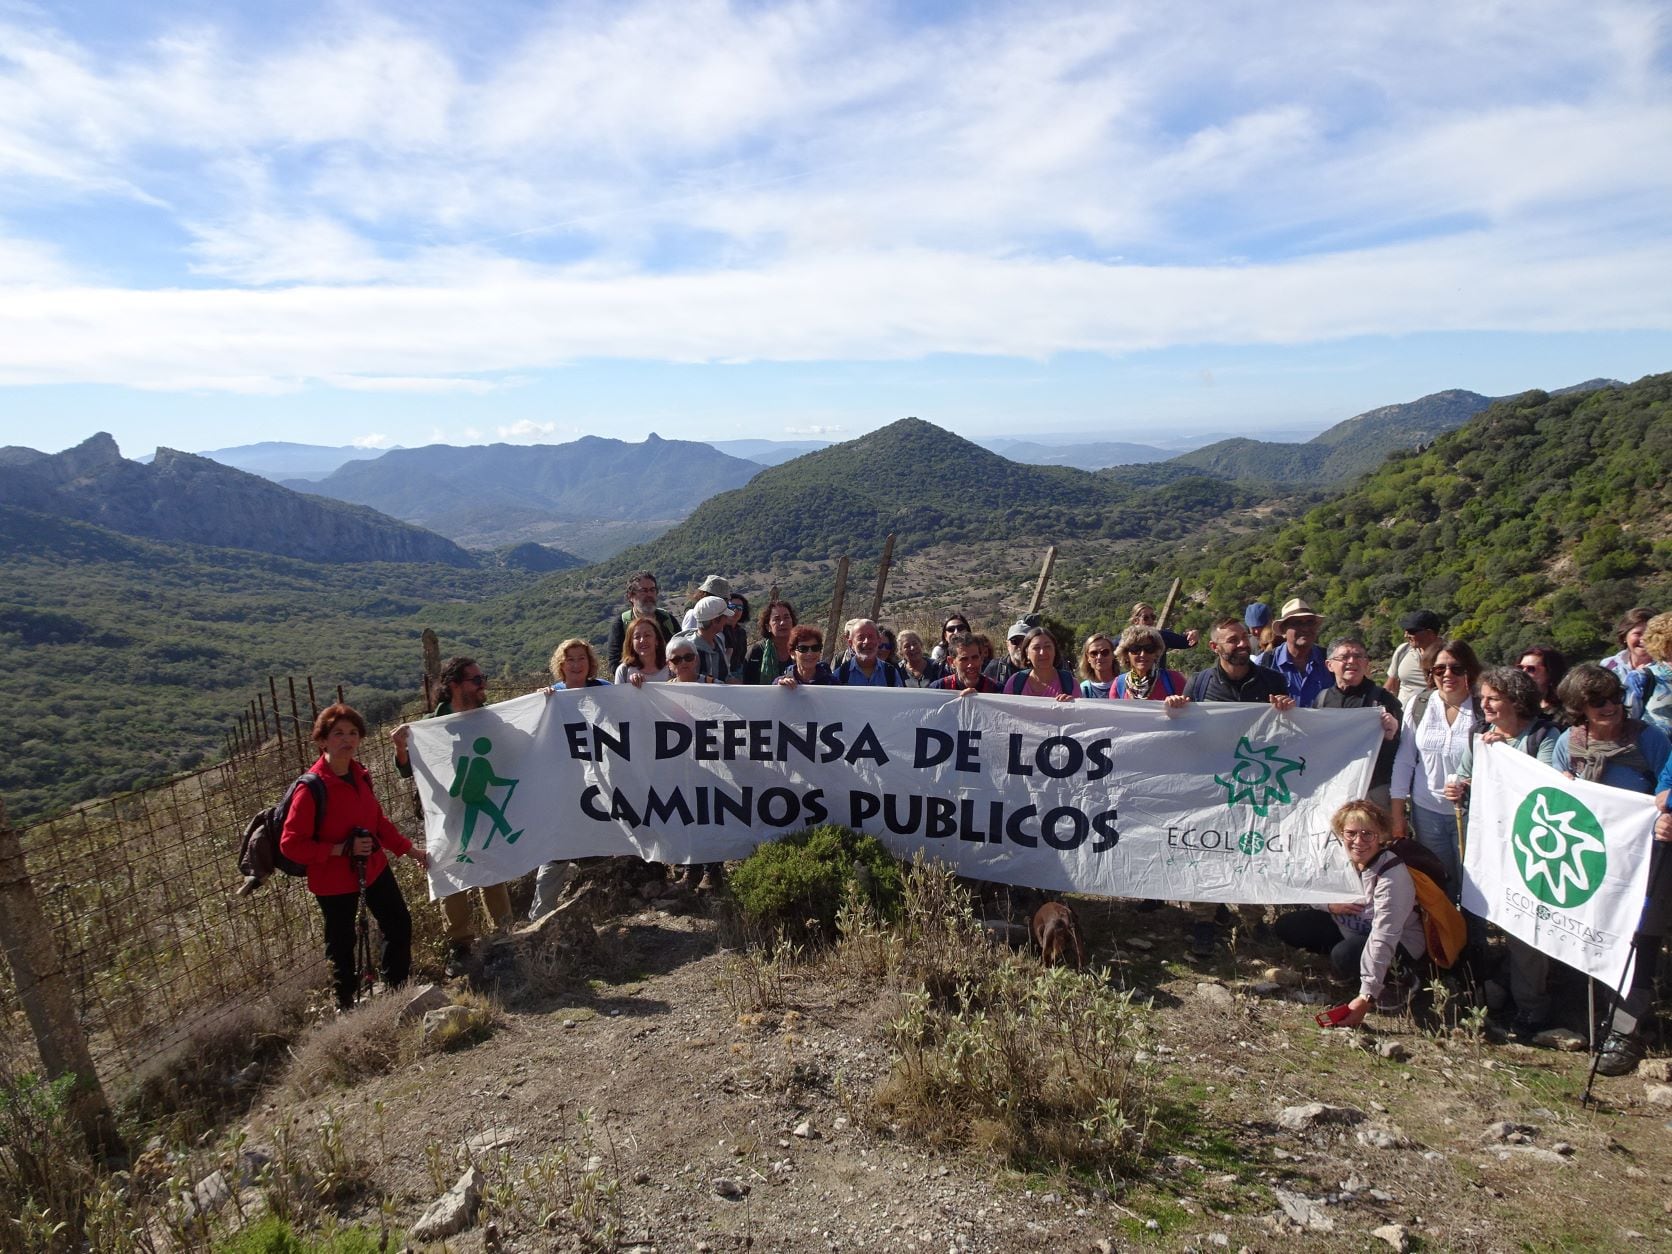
x: 183, y: 498
x: 1352, y: 447
x: 492, y: 494
x: 279, y: 460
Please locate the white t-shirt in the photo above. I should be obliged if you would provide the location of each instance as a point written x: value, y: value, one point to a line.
x: 650, y: 677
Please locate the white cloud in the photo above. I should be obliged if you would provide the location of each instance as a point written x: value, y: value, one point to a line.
x: 371, y: 201
x: 814, y: 430
x: 371, y: 441
x: 527, y: 429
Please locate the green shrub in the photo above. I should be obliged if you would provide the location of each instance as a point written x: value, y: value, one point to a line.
x: 272, y: 1235
x: 797, y: 884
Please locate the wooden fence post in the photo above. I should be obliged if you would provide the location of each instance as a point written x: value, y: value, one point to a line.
x: 1167, y: 609
x: 278, y: 723
x: 836, y: 607
x: 882, y: 576
x: 313, y: 702
x: 296, y: 723
x: 1044, y: 578
x: 432, y: 661
x: 45, y: 994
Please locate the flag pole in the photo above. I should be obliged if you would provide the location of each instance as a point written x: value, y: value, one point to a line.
x: 1655, y: 877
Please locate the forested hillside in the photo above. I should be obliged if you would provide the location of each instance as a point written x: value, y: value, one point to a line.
x: 1540, y: 519
x: 128, y: 659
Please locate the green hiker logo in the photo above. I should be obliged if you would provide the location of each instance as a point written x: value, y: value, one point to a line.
x: 1259, y: 777
x: 471, y: 785
x: 1558, y: 848
x: 1251, y: 843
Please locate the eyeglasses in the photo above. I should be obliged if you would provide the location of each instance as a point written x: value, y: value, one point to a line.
x: 1100, y: 653
x: 1142, y: 648
x: 1359, y: 833
x: 1448, y: 668
x: 1351, y: 657
x: 809, y: 648
x: 677, y: 658
x: 478, y: 680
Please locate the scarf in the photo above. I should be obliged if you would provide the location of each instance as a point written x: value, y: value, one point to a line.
x: 770, y: 665
x: 1139, y: 685
x: 1590, y: 758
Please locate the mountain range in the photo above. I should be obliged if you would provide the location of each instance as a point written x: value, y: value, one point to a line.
x: 487, y: 494
x: 1353, y: 447
x: 180, y: 497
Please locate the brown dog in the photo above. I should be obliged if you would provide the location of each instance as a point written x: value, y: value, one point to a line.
x: 1056, y: 930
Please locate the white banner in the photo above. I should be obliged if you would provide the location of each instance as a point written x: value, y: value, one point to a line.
x: 1558, y: 862
x: 1220, y: 803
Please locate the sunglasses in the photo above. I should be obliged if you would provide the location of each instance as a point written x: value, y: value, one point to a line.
x: 1448, y: 668
x: 809, y: 648
x: 1142, y: 648
x: 677, y: 658
x: 885, y: 647
x: 1100, y: 653
x: 1603, y: 704
x: 956, y: 627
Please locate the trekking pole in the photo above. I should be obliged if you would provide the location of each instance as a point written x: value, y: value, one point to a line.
x: 362, y: 938
x: 1650, y: 894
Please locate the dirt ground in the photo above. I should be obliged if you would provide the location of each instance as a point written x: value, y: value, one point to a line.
x: 647, y: 1093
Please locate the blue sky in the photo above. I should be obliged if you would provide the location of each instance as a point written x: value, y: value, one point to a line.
x: 347, y: 223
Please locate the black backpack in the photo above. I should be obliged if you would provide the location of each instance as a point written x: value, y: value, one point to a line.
x: 258, y: 854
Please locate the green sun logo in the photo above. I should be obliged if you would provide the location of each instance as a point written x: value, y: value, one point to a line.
x: 1260, y: 777
x: 1558, y: 848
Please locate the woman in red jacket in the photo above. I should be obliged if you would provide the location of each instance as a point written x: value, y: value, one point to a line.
x: 354, y: 834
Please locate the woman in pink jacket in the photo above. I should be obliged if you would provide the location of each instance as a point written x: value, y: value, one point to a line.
x: 348, y: 852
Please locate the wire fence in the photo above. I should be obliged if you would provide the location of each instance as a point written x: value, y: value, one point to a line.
x: 139, y: 893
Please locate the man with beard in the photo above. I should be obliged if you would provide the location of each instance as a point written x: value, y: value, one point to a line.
x: 642, y: 594
x: 1298, y: 659
x: 1232, y: 677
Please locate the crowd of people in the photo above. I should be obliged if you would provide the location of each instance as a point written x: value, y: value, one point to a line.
x: 1606, y: 721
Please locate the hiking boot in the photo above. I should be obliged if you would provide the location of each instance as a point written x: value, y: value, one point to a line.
x: 1204, y: 940
x: 1619, y: 1054
x: 1525, y: 1026
x: 711, y: 881
x: 687, y: 882
x: 458, y: 959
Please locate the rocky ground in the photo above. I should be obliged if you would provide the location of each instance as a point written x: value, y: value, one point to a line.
x: 661, y: 1092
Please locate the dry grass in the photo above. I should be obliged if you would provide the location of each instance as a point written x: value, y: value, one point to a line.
x: 370, y: 1040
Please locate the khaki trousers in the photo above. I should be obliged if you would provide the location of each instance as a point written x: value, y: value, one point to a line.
x: 460, y: 913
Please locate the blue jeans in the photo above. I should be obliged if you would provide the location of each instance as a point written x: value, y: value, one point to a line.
x: 1436, y: 831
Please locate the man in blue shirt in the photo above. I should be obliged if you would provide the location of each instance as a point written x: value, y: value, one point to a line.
x: 866, y: 667
x: 1299, y: 659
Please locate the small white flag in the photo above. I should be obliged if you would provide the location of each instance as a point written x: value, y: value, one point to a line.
x: 1560, y: 863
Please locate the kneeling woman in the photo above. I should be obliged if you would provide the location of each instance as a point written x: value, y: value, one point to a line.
x: 1363, y: 936
x: 353, y: 836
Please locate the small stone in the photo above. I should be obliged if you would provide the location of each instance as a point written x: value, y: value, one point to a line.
x: 730, y: 1189
x: 1265, y: 988
x: 593, y: 1163
x: 458, y: 1016
x: 1138, y: 943
x: 1534, y: 1153
x: 1433, y: 1156
x: 1396, y: 1235
x: 804, y: 1130
x: 1658, y: 1094
x: 422, y: 1000
x: 1394, y: 1050
x: 1658, y: 1070
x: 1286, y: 976
x: 568, y: 1023
x: 454, y: 1211
x: 1152, y: 1225
x: 1508, y: 1132
x: 841, y: 1123
x: 1214, y: 994
x: 1311, y: 1114
x: 1378, y: 1136
x: 1562, y: 1147
x: 212, y: 1193
x: 1219, y: 1239
x: 488, y: 1142
x: 641, y: 1177
x: 1304, y: 1211
x: 1564, y: 1039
